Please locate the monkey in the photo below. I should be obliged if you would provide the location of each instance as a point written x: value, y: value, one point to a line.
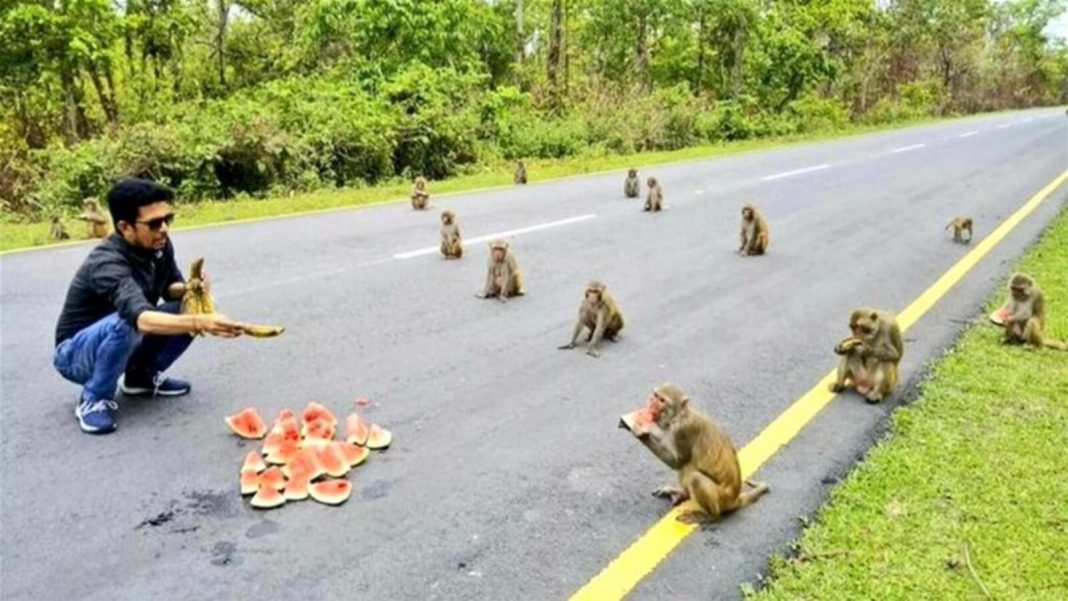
x: 1026, y: 314
x: 420, y: 197
x: 755, y: 234
x: 98, y: 223
x: 960, y: 225
x: 452, y: 246
x: 57, y: 230
x: 600, y: 313
x: 520, y: 176
x: 870, y: 357
x: 702, y: 455
x: 503, y: 278
x: 632, y: 186
x: 655, y: 201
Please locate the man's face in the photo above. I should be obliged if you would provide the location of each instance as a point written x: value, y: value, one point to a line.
x: 151, y: 229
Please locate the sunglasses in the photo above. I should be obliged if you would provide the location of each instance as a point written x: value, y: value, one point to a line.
x: 157, y: 223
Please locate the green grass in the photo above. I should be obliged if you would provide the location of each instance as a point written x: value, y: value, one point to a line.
x: 975, y: 471
x: 16, y: 234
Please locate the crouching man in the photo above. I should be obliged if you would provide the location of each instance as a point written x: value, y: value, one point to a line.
x: 113, y: 325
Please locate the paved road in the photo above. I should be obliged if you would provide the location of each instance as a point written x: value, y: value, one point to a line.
x: 508, y: 478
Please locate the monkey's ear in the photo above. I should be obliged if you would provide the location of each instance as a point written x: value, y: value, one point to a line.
x: 874, y: 316
x: 685, y: 400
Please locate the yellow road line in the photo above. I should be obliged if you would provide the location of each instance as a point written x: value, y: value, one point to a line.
x: 642, y: 557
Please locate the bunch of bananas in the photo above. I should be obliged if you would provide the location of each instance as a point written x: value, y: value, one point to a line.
x: 197, y: 300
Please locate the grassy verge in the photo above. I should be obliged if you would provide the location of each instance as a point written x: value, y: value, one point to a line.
x: 16, y: 235
x: 967, y: 498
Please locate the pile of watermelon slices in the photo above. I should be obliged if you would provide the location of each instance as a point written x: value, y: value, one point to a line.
x: 301, y: 458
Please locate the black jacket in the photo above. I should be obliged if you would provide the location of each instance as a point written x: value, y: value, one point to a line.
x: 116, y: 277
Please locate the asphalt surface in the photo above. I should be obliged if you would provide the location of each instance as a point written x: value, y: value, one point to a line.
x: 508, y: 478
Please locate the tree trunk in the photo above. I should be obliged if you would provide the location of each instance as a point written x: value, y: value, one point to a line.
x: 75, y: 125
x: 220, y: 39
x: 642, y: 59
x: 106, y: 102
x: 699, y: 77
x: 556, y: 56
x: 738, y: 58
x: 521, y: 40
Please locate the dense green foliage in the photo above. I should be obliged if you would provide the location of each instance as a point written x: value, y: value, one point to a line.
x: 266, y: 97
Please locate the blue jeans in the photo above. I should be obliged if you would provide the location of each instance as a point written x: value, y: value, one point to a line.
x: 96, y: 356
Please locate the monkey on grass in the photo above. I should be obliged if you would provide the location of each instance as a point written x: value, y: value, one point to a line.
x: 503, y: 277
x: 961, y: 225
x: 452, y: 246
x: 632, y: 186
x: 95, y: 218
x: 701, y: 454
x: 755, y: 234
x: 57, y: 230
x: 520, y: 176
x: 870, y: 356
x: 600, y: 314
x: 1025, y: 315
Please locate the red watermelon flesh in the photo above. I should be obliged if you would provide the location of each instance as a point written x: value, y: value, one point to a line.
x: 247, y: 424
x: 285, y: 453
x: 638, y: 422
x: 250, y: 482
x: 331, y: 492
x: 305, y: 463
x: 315, y: 411
x: 273, y: 442
x: 268, y: 498
x: 320, y: 428
x: 253, y: 463
x: 273, y: 478
x: 353, y: 454
x: 332, y: 460
x: 357, y: 430
x: 297, y: 488
x: 999, y: 316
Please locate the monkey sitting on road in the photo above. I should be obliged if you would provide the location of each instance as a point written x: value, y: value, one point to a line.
x: 870, y: 357
x: 755, y: 234
x: 503, y: 278
x: 1025, y: 318
x: 57, y: 230
x: 600, y: 313
x: 960, y: 225
x: 420, y: 197
x: 451, y: 241
x: 655, y: 200
x: 632, y: 186
x: 98, y: 222
x: 520, y: 176
x: 704, y: 458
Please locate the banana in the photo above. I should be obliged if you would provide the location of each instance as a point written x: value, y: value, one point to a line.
x: 261, y: 331
x: 197, y: 300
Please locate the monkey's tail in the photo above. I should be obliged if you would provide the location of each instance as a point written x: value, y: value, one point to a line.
x: 1057, y: 344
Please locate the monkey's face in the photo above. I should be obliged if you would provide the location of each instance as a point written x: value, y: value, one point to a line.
x: 446, y: 218
x: 498, y: 254
x: 651, y: 182
x: 747, y: 214
x: 864, y: 326
x: 593, y: 296
x: 1020, y: 292
x: 664, y: 408
x: 632, y: 173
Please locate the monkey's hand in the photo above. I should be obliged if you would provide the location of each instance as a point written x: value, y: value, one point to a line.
x: 567, y: 346
x: 848, y: 345
x: 593, y: 352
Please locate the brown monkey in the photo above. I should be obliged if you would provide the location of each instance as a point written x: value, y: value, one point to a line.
x: 960, y: 225
x: 1026, y: 314
x: 690, y: 443
x: 451, y: 240
x: 98, y: 222
x: 755, y: 234
x: 600, y: 313
x: 520, y: 176
x: 870, y: 357
x: 420, y: 197
x: 57, y: 230
x: 632, y: 186
x: 503, y: 278
x: 655, y: 200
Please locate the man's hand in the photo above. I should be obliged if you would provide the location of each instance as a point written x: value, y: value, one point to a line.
x: 217, y: 324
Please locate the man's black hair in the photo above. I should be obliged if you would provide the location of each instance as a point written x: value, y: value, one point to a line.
x: 126, y: 198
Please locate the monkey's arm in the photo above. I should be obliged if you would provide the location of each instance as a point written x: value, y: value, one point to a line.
x: 598, y: 330
x: 887, y: 349
x: 575, y: 334
x: 665, y: 453
x: 488, y: 287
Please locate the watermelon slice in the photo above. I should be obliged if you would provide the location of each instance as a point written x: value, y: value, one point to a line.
x: 247, y: 424
x: 357, y: 430
x: 319, y: 427
x: 331, y: 492
x: 250, y: 482
x: 305, y: 463
x: 268, y: 498
x: 999, y: 316
x: 353, y: 454
x: 332, y: 460
x: 273, y: 478
x: 253, y: 463
x: 314, y: 411
x: 363, y: 401
x: 286, y: 423
x: 297, y: 488
x: 273, y: 443
x: 379, y: 437
x: 284, y: 453
x: 638, y: 422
